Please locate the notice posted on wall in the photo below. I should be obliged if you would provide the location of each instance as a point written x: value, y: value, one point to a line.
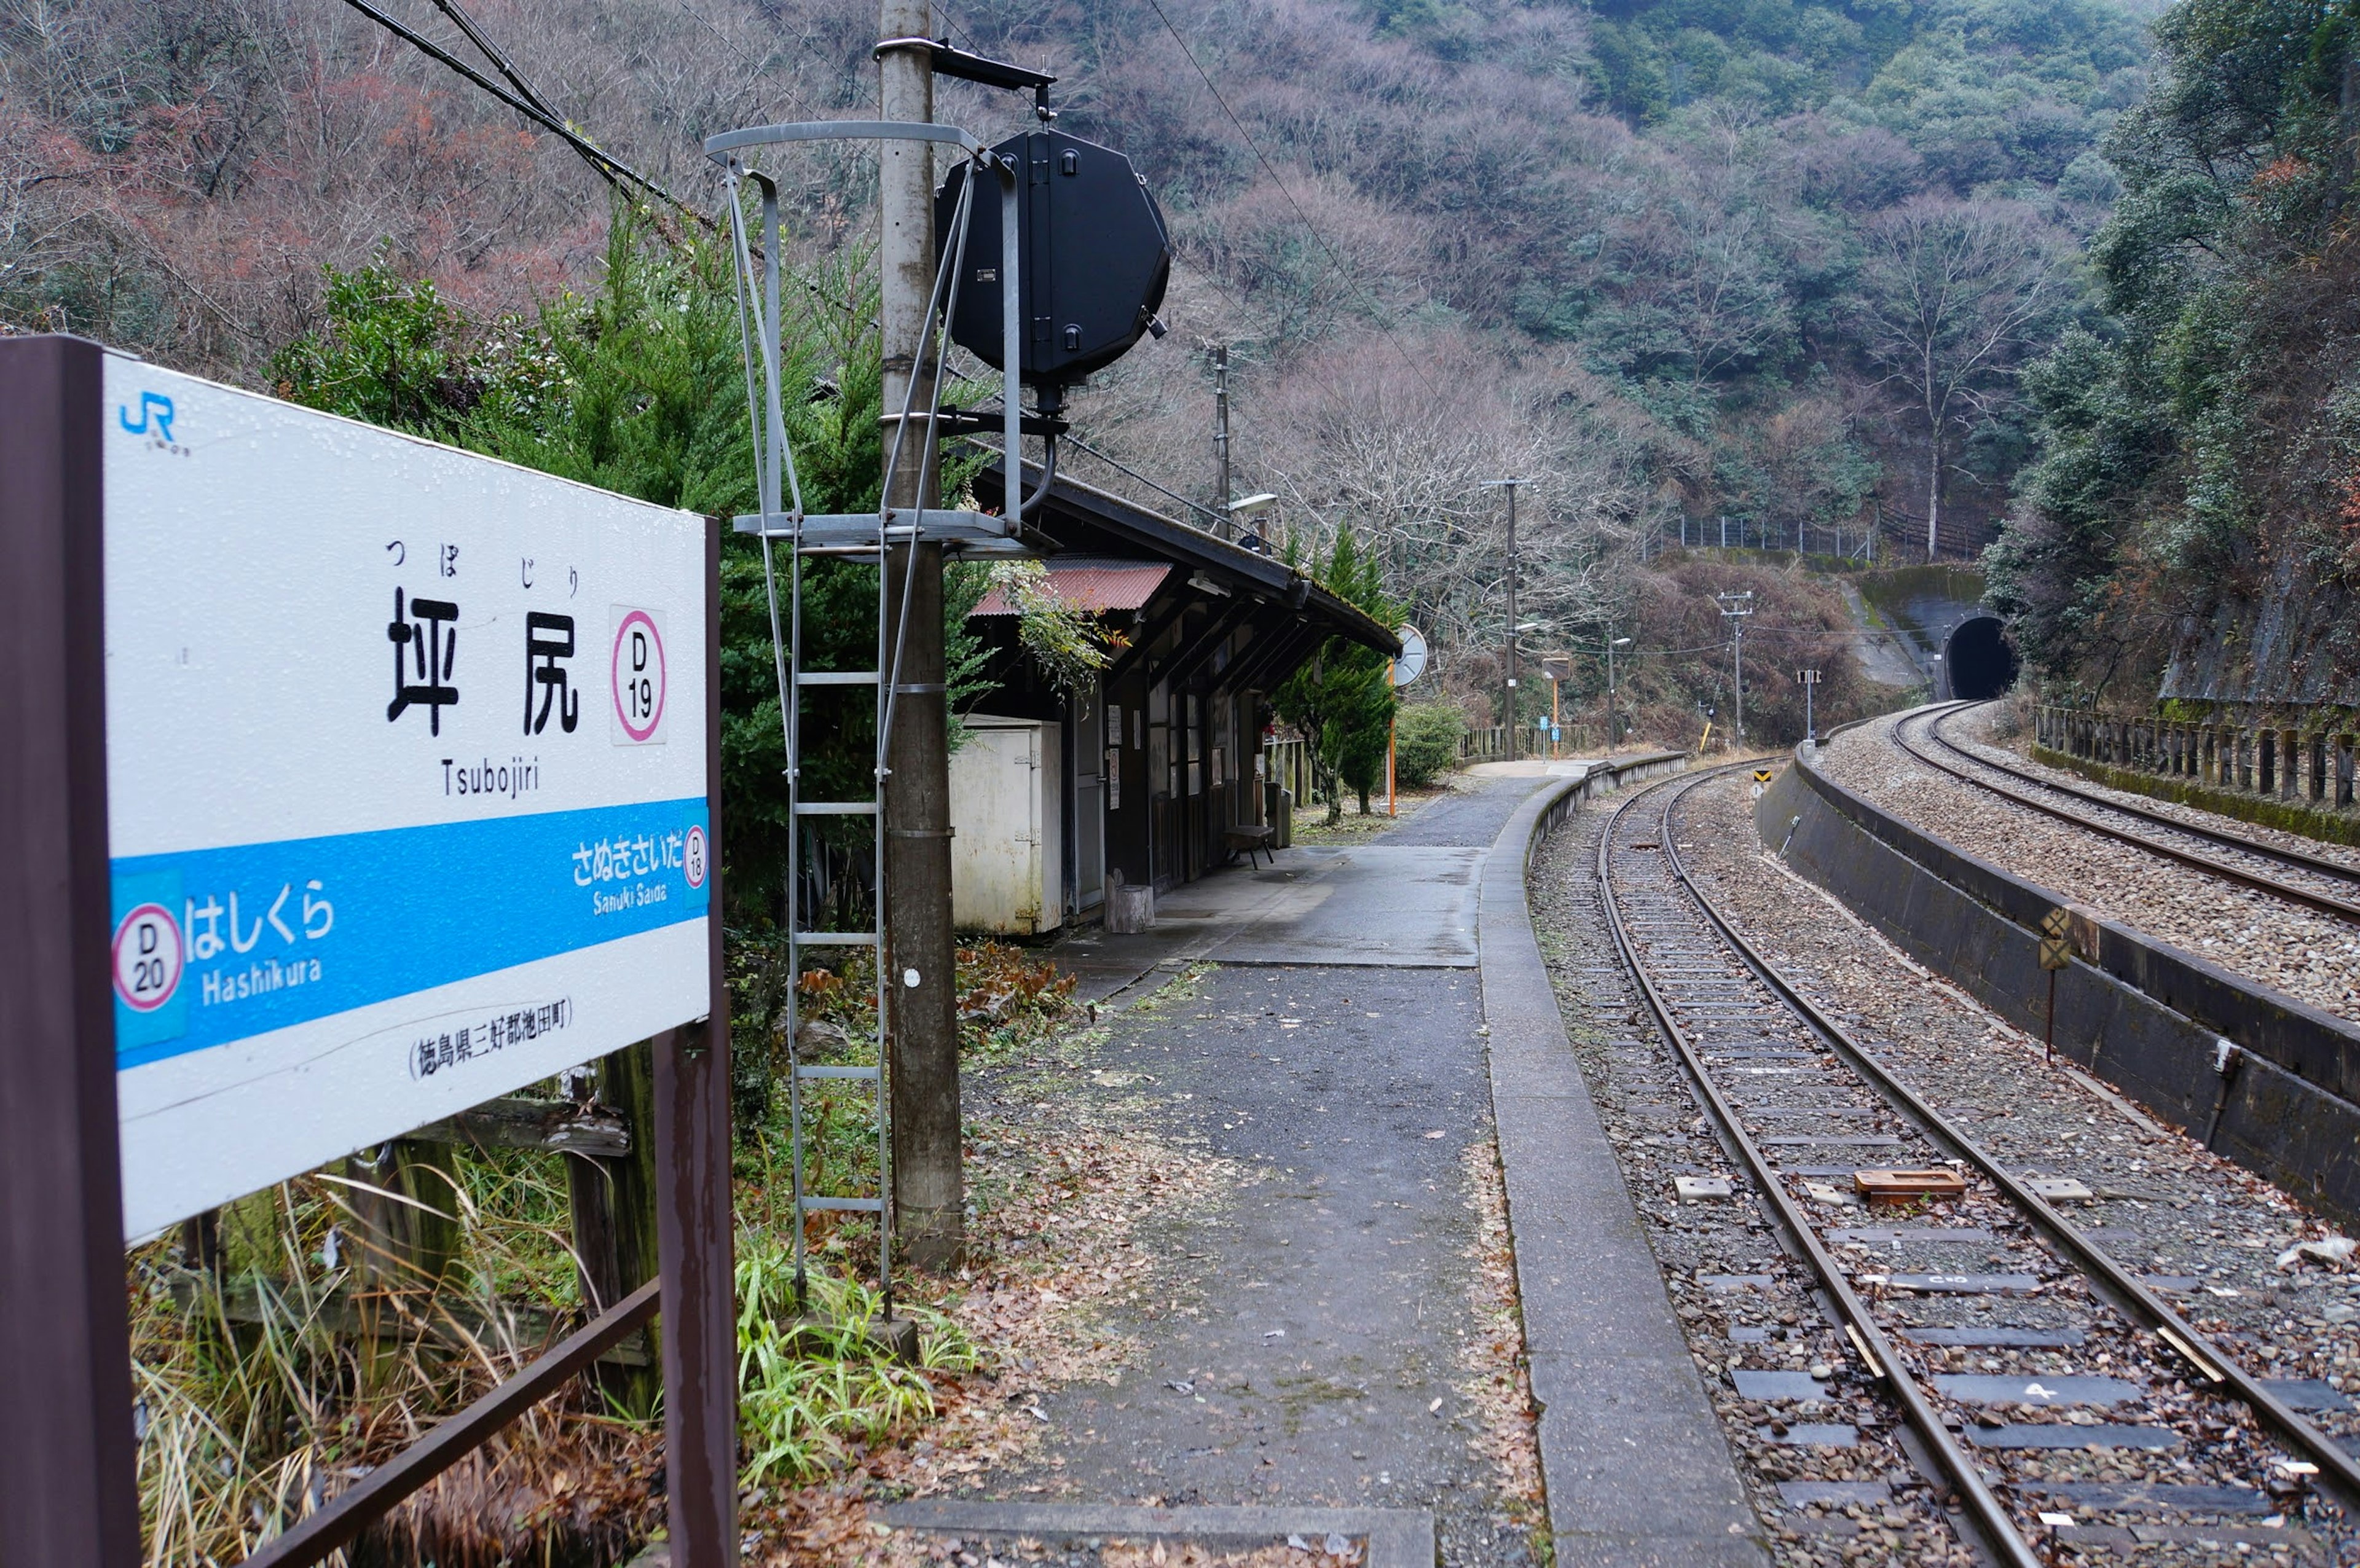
x: 406, y: 764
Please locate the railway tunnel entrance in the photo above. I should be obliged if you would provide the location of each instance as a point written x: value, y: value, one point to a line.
x: 1976, y: 659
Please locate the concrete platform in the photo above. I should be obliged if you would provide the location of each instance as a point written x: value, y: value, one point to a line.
x: 1373, y: 1004
x: 1637, y: 1469
x: 1404, y: 901
x: 1393, y: 1538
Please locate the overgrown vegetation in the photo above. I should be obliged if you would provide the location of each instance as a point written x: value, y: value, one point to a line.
x: 259, y: 1395
x: 2199, y: 467
x: 1673, y: 259
x: 1342, y: 701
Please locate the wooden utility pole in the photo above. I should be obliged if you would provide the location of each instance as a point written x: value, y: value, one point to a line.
x: 1221, y: 429
x: 1508, y: 689
x: 928, y: 1196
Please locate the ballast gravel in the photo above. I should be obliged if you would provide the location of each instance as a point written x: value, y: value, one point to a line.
x: 2311, y: 956
x: 1742, y: 1302
x: 2204, y: 1232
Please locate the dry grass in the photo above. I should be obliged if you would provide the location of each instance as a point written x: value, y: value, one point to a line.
x: 1312, y: 826
x: 257, y: 1404
x: 248, y: 1426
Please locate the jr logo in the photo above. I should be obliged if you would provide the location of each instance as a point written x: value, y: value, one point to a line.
x: 153, y: 407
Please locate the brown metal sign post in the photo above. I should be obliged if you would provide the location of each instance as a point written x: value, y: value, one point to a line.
x: 69, y: 1494
x: 695, y: 1238
x: 68, y: 1176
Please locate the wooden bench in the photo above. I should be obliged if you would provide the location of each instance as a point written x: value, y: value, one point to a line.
x: 1251, y: 839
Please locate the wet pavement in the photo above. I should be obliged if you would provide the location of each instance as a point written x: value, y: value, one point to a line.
x: 1404, y: 898
x: 1327, y: 1337
x: 1324, y: 1310
x: 1316, y: 1349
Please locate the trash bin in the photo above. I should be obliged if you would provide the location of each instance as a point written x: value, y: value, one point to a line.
x: 1129, y: 908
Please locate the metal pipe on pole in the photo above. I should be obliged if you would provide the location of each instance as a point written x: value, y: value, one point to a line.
x: 928, y: 1196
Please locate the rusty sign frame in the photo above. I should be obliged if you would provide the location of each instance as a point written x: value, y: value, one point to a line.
x: 68, y: 1455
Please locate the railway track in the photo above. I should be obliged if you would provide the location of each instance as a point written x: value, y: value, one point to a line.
x: 2041, y: 1378
x: 2315, y: 883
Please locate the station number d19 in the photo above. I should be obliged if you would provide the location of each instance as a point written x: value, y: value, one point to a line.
x: 637, y: 671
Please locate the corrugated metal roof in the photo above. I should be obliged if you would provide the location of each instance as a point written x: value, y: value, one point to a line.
x: 1094, y: 584
x: 1072, y: 507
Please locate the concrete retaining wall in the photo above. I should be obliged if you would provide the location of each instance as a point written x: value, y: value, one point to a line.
x: 2140, y: 1014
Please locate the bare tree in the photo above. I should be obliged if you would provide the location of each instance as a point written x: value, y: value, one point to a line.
x: 1951, y: 292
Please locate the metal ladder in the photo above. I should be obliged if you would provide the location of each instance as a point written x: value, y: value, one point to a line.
x: 860, y: 536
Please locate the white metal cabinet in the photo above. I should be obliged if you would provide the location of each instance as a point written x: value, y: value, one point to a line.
x: 1007, y: 849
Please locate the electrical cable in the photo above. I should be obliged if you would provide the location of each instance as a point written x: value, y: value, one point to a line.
x: 493, y: 52
x: 528, y: 102
x: 1070, y: 438
x: 612, y: 169
x: 1131, y: 473
x: 1268, y: 168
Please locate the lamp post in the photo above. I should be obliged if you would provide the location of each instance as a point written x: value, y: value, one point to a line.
x: 1249, y: 507
x: 1515, y: 631
x: 1558, y: 668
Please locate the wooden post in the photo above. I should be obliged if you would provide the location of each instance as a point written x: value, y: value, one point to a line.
x: 405, y: 1237
x: 69, y: 1494
x: 694, y: 1234
x: 613, y: 1215
x: 928, y: 1196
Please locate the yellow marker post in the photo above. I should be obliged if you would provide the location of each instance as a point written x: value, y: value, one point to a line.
x: 2055, y: 953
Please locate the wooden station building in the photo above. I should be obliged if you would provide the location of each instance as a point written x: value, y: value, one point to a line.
x: 1139, y: 777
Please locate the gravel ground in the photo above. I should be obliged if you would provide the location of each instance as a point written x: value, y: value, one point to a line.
x: 2311, y: 956
x: 1974, y: 730
x: 2208, y: 1233
x: 1659, y: 1130
x: 1962, y: 739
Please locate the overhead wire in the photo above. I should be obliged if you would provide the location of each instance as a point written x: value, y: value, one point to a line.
x: 527, y: 100
x: 612, y: 169
x: 1069, y: 439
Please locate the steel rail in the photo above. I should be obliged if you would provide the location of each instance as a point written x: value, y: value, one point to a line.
x: 2294, y: 857
x: 2170, y: 1328
x: 2325, y: 903
x: 1989, y: 1516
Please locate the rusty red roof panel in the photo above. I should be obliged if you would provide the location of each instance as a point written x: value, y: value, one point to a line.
x: 1094, y: 585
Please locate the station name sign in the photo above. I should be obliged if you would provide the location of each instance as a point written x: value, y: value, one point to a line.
x: 406, y: 781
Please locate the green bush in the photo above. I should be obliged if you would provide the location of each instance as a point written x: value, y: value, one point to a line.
x: 1426, y: 743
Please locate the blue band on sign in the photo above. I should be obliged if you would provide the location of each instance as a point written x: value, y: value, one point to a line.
x: 216, y: 945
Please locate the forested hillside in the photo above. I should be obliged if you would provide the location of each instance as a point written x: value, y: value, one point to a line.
x: 2192, y: 526
x: 1762, y: 267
